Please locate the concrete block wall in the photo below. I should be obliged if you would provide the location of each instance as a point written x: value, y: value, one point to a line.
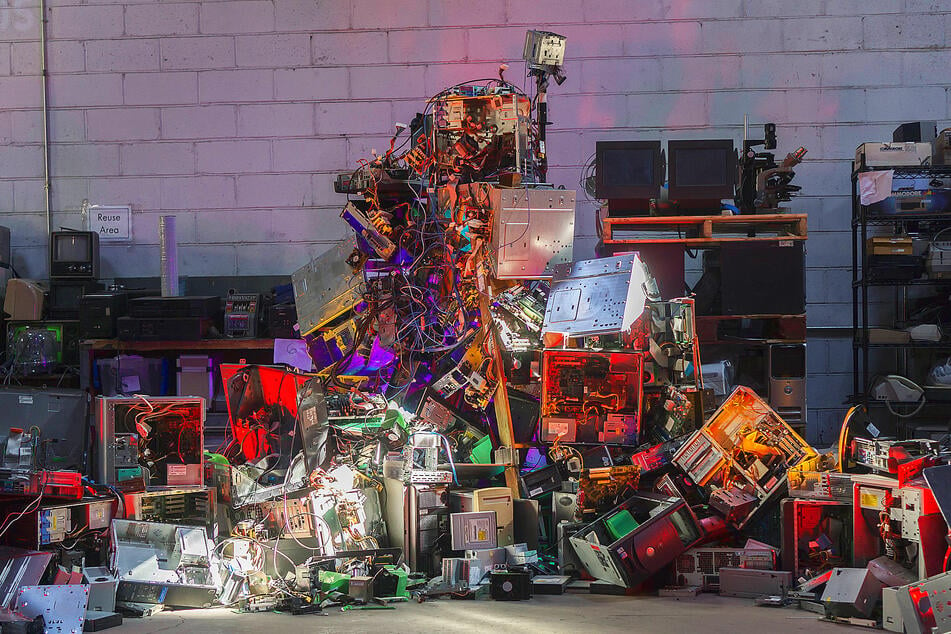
x: 234, y: 115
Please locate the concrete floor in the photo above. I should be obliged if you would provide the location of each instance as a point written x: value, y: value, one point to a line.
x: 706, y: 614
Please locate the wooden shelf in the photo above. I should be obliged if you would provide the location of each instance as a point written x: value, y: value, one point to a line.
x: 202, y: 344
x: 707, y: 230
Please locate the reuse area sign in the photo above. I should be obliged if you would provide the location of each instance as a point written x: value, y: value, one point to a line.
x: 111, y: 222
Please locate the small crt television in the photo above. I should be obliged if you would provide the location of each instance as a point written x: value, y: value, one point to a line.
x: 74, y: 255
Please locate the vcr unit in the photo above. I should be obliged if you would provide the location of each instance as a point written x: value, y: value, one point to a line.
x: 194, y: 306
x: 162, y: 328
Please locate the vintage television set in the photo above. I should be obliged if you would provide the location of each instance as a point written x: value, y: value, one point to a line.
x: 700, y: 174
x: 628, y: 174
x: 74, y: 255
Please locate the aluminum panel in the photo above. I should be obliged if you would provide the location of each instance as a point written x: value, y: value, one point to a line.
x: 597, y: 297
x: 533, y: 231
x: 20, y: 567
x: 162, y: 555
x: 326, y: 287
x: 851, y: 592
x: 63, y: 608
x: 912, y: 608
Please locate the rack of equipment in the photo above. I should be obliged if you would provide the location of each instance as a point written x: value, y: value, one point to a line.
x: 899, y: 245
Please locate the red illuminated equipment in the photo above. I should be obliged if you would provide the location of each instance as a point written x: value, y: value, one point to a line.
x: 903, y: 523
x: 63, y: 485
x: 152, y: 440
x: 591, y: 397
x: 816, y: 535
x: 262, y: 409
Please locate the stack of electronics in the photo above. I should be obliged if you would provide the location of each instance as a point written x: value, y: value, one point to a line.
x: 74, y: 272
x: 489, y: 416
x: 42, y: 335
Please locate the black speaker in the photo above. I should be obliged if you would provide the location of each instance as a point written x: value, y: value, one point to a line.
x: 763, y: 278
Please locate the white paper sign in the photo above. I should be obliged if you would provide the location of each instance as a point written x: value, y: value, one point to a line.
x: 111, y: 222
x: 293, y: 352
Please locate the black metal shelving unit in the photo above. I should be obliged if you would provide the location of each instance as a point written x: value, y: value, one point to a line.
x: 901, y: 223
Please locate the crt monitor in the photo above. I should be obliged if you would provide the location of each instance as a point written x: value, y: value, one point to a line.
x: 628, y: 169
x: 74, y: 254
x: 701, y: 169
x: 72, y: 246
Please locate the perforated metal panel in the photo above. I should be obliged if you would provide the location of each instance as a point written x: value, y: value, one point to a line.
x: 63, y: 607
x: 594, y: 297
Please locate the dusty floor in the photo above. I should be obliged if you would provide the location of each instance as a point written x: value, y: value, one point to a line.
x: 707, y: 614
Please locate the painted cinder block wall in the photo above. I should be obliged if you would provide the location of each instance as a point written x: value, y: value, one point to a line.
x: 234, y: 115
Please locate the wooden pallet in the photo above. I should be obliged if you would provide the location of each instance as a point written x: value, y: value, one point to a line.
x: 706, y: 230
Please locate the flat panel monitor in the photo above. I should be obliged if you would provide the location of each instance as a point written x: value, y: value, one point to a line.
x: 701, y: 169
x: 628, y: 169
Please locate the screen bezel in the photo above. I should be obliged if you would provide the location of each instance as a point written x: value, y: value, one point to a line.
x: 701, y: 192
x: 627, y: 192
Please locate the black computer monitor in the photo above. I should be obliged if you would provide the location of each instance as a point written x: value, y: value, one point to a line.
x: 628, y: 169
x: 60, y: 415
x: 701, y: 169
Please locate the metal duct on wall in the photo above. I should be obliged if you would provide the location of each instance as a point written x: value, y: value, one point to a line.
x: 168, y: 254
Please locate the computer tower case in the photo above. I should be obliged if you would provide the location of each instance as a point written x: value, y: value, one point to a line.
x: 663, y: 528
x: 815, y: 533
x: 417, y: 515
x: 787, y: 382
x: 157, y: 438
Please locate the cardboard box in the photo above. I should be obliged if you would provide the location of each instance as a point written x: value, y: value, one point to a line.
x: 889, y: 246
x: 890, y: 154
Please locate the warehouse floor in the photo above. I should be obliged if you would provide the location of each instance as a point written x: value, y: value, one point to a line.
x: 709, y: 614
